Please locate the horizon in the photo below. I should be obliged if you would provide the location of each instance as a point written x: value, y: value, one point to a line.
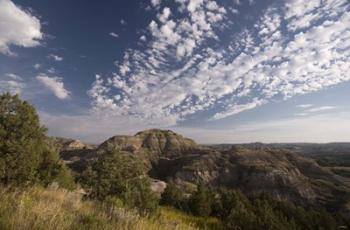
x: 217, y: 71
x: 199, y: 143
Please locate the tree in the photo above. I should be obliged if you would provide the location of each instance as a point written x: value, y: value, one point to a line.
x: 139, y: 195
x: 108, y: 176
x: 228, y: 199
x: 173, y: 196
x: 201, y: 201
x: 53, y: 169
x: 25, y: 156
x: 119, y: 174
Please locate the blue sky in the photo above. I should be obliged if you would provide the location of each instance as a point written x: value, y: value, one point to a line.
x: 217, y: 71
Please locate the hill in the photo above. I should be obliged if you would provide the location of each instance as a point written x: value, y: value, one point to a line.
x: 333, y: 156
x: 254, y: 170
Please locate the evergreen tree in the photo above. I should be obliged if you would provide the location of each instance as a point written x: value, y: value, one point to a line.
x: 121, y: 175
x: 201, y: 201
x: 25, y: 156
x: 109, y: 175
x: 53, y: 169
x: 139, y: 194
x: 173, y: 196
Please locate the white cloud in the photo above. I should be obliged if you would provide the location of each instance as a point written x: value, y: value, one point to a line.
x: 14, y: 87
x: 17, y: 27
x: 310, y: 109
x: 143, y: 38
x: 179, y: 73
x: 55, y: 85
x: 11, y: 83
x: 51, y: 70
x: 238, y: 109
x: 14, y: 77
x: 320, y: 109
x: 55, y: 57
x: 301, y: 114
x: 305, y: 105
x: 237, y: 2
x: 185, y: 32
x: 123, y: 22
x: 165, y: 15
x: 37, y: 66
x: 251, y: 2
x: 114, y: 35
x: 155, y: 3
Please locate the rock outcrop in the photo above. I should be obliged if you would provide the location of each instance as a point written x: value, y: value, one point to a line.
x: 152, y: 144
x: 66, y: 144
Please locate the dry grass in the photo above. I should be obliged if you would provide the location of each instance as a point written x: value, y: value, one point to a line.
x: 170, y: 213
x: 45, y: 209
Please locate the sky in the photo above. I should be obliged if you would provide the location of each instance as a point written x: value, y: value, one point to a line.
x: 217, y: 71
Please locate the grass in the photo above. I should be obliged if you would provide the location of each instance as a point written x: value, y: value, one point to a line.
x: 57, y: 209
x: 170, y: 213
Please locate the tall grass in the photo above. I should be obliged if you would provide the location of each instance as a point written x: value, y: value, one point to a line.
x: 212, y: 223
x: 57, y: 209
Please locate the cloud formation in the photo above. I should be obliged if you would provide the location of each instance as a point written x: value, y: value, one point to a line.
x: 55, y: 85
x: 11, y: 83
x: 17, y: 27
x: 295, y: 47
